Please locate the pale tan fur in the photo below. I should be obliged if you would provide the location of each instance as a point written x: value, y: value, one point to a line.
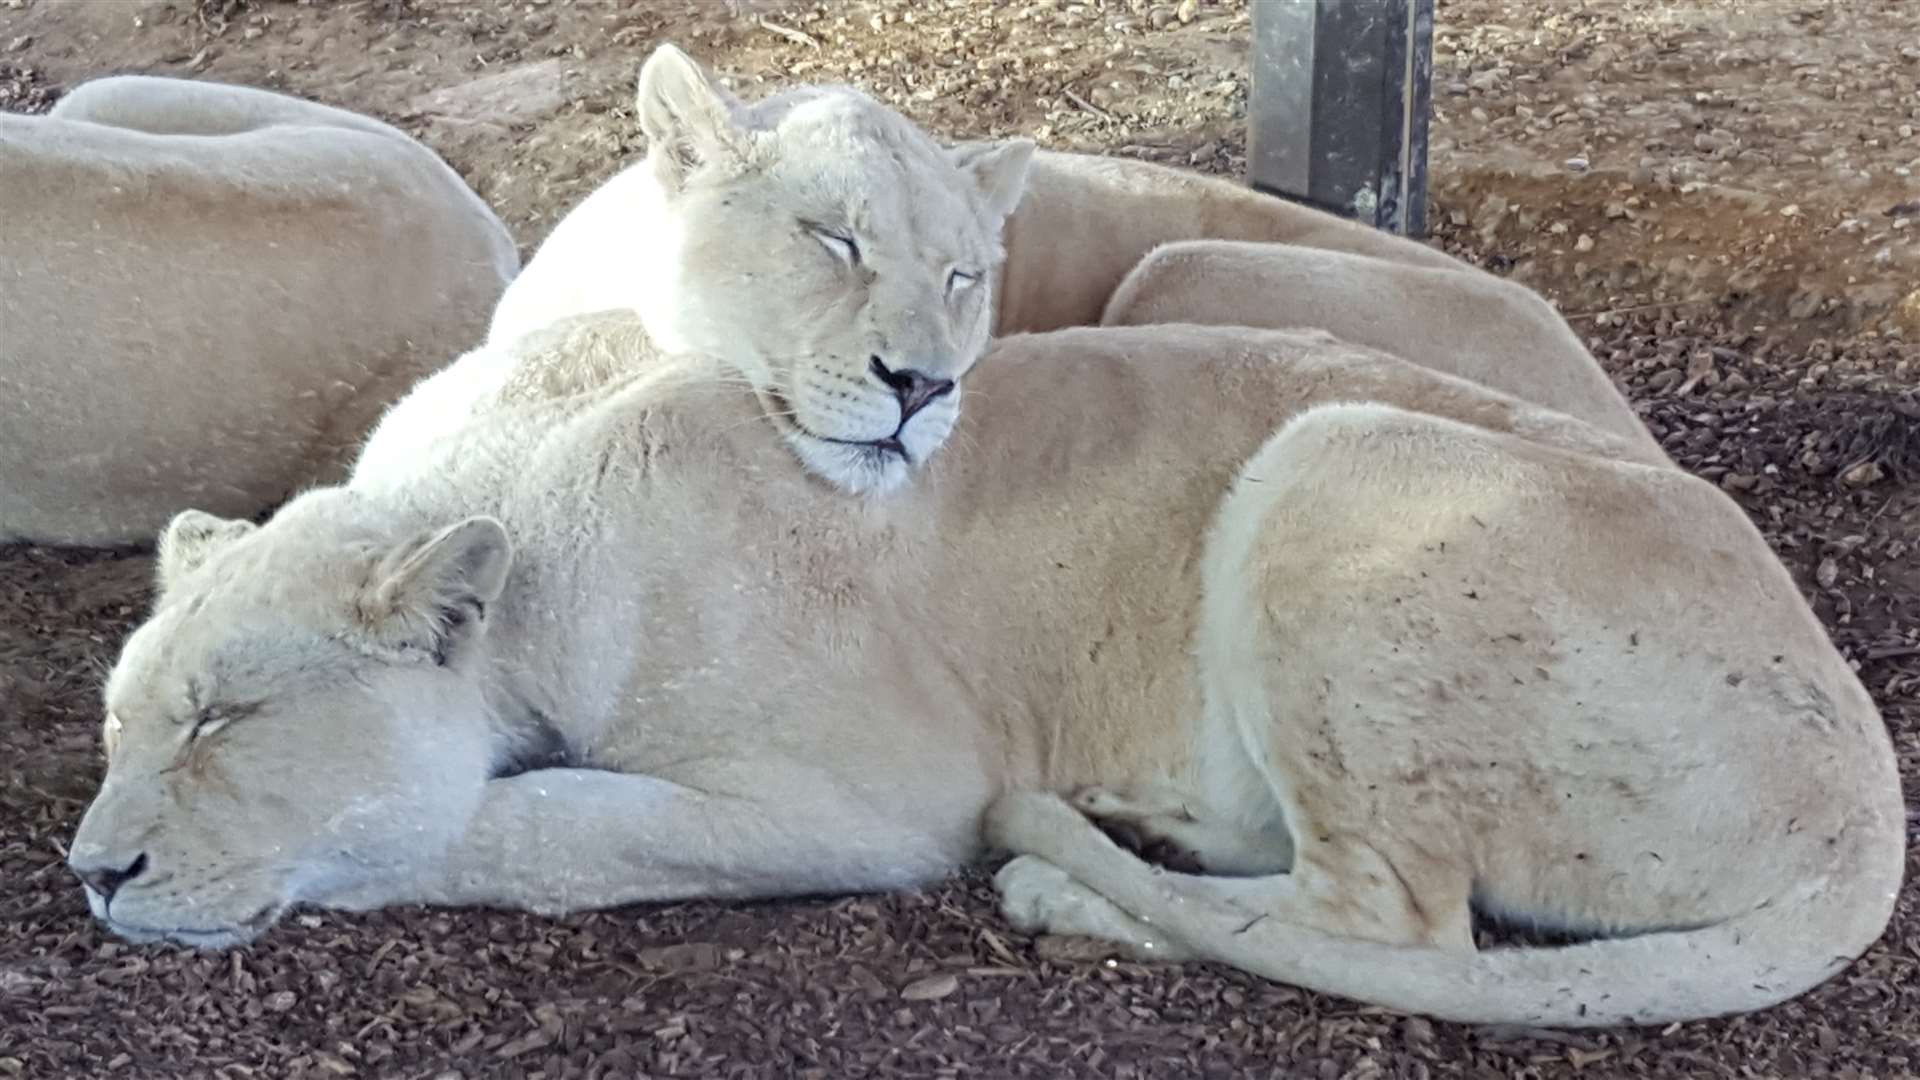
x: 728, y: 270
x: 601, y: 639
x: 816, y: 241
x: 1457, y: 319
x: 211, y: 292
x: 1127, y: 243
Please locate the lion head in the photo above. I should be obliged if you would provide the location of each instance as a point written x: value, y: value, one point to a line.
x: 295, y: 720
x: 831, y: 251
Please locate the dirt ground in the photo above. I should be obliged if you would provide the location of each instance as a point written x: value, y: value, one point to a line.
x: 1721, y: 193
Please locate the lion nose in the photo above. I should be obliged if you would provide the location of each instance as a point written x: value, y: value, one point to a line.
x: 105, y: 877
x: 914, y: 388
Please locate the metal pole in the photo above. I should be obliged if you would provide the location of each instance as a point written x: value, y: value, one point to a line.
x: 1341, y: 94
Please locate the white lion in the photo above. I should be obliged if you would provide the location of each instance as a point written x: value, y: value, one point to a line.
x: 851, y: 267
x: 1400, y: 647
x: 210, y: 295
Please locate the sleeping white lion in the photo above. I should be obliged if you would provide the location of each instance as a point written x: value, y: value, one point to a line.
x: 210, y: 295
x: 1396, y: 649
x: 854, y: 269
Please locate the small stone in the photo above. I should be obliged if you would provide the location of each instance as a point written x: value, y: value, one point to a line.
x: 515, y: 95
x: 1583, y: 244
x: 1828, y: 573
x: 1867, y: 472
x: 1908, y: 312
x: 280, y: 1001
x: 1187, y: 10
x: 1160, y: 18
x: 1578, y: 164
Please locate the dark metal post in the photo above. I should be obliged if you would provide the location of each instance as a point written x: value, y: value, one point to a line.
x: 1339, y: 104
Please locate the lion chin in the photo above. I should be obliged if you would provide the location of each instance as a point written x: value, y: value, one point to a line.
x: 873, y: 467
x: 210, y: 938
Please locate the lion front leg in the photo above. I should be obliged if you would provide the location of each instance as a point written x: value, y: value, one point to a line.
x: 554, y: 841
x: 1073, y: 879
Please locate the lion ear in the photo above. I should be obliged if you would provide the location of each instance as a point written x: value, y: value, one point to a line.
x: 190, y: 539
x: 686, y: 116
x: 999, y: 168
x: 437, y: 589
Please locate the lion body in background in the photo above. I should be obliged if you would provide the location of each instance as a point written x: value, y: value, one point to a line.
x: 210, y: 295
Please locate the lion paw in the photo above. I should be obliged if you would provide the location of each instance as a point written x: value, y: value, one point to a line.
x: 1099, y: 802
x: 1158, y: 826
x: 1031, y: 889
x: 1039, y: 897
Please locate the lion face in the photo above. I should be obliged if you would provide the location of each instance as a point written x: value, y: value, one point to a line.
x: 833, y: 253
x: 295, y: 720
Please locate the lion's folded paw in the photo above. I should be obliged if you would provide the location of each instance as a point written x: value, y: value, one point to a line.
x: 1030, y: 888
x: 1038, y: 897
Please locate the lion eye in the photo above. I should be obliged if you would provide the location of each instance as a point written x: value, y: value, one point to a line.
x: 961, y: 279
x: 840, y: 244
x: 214, y: 719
